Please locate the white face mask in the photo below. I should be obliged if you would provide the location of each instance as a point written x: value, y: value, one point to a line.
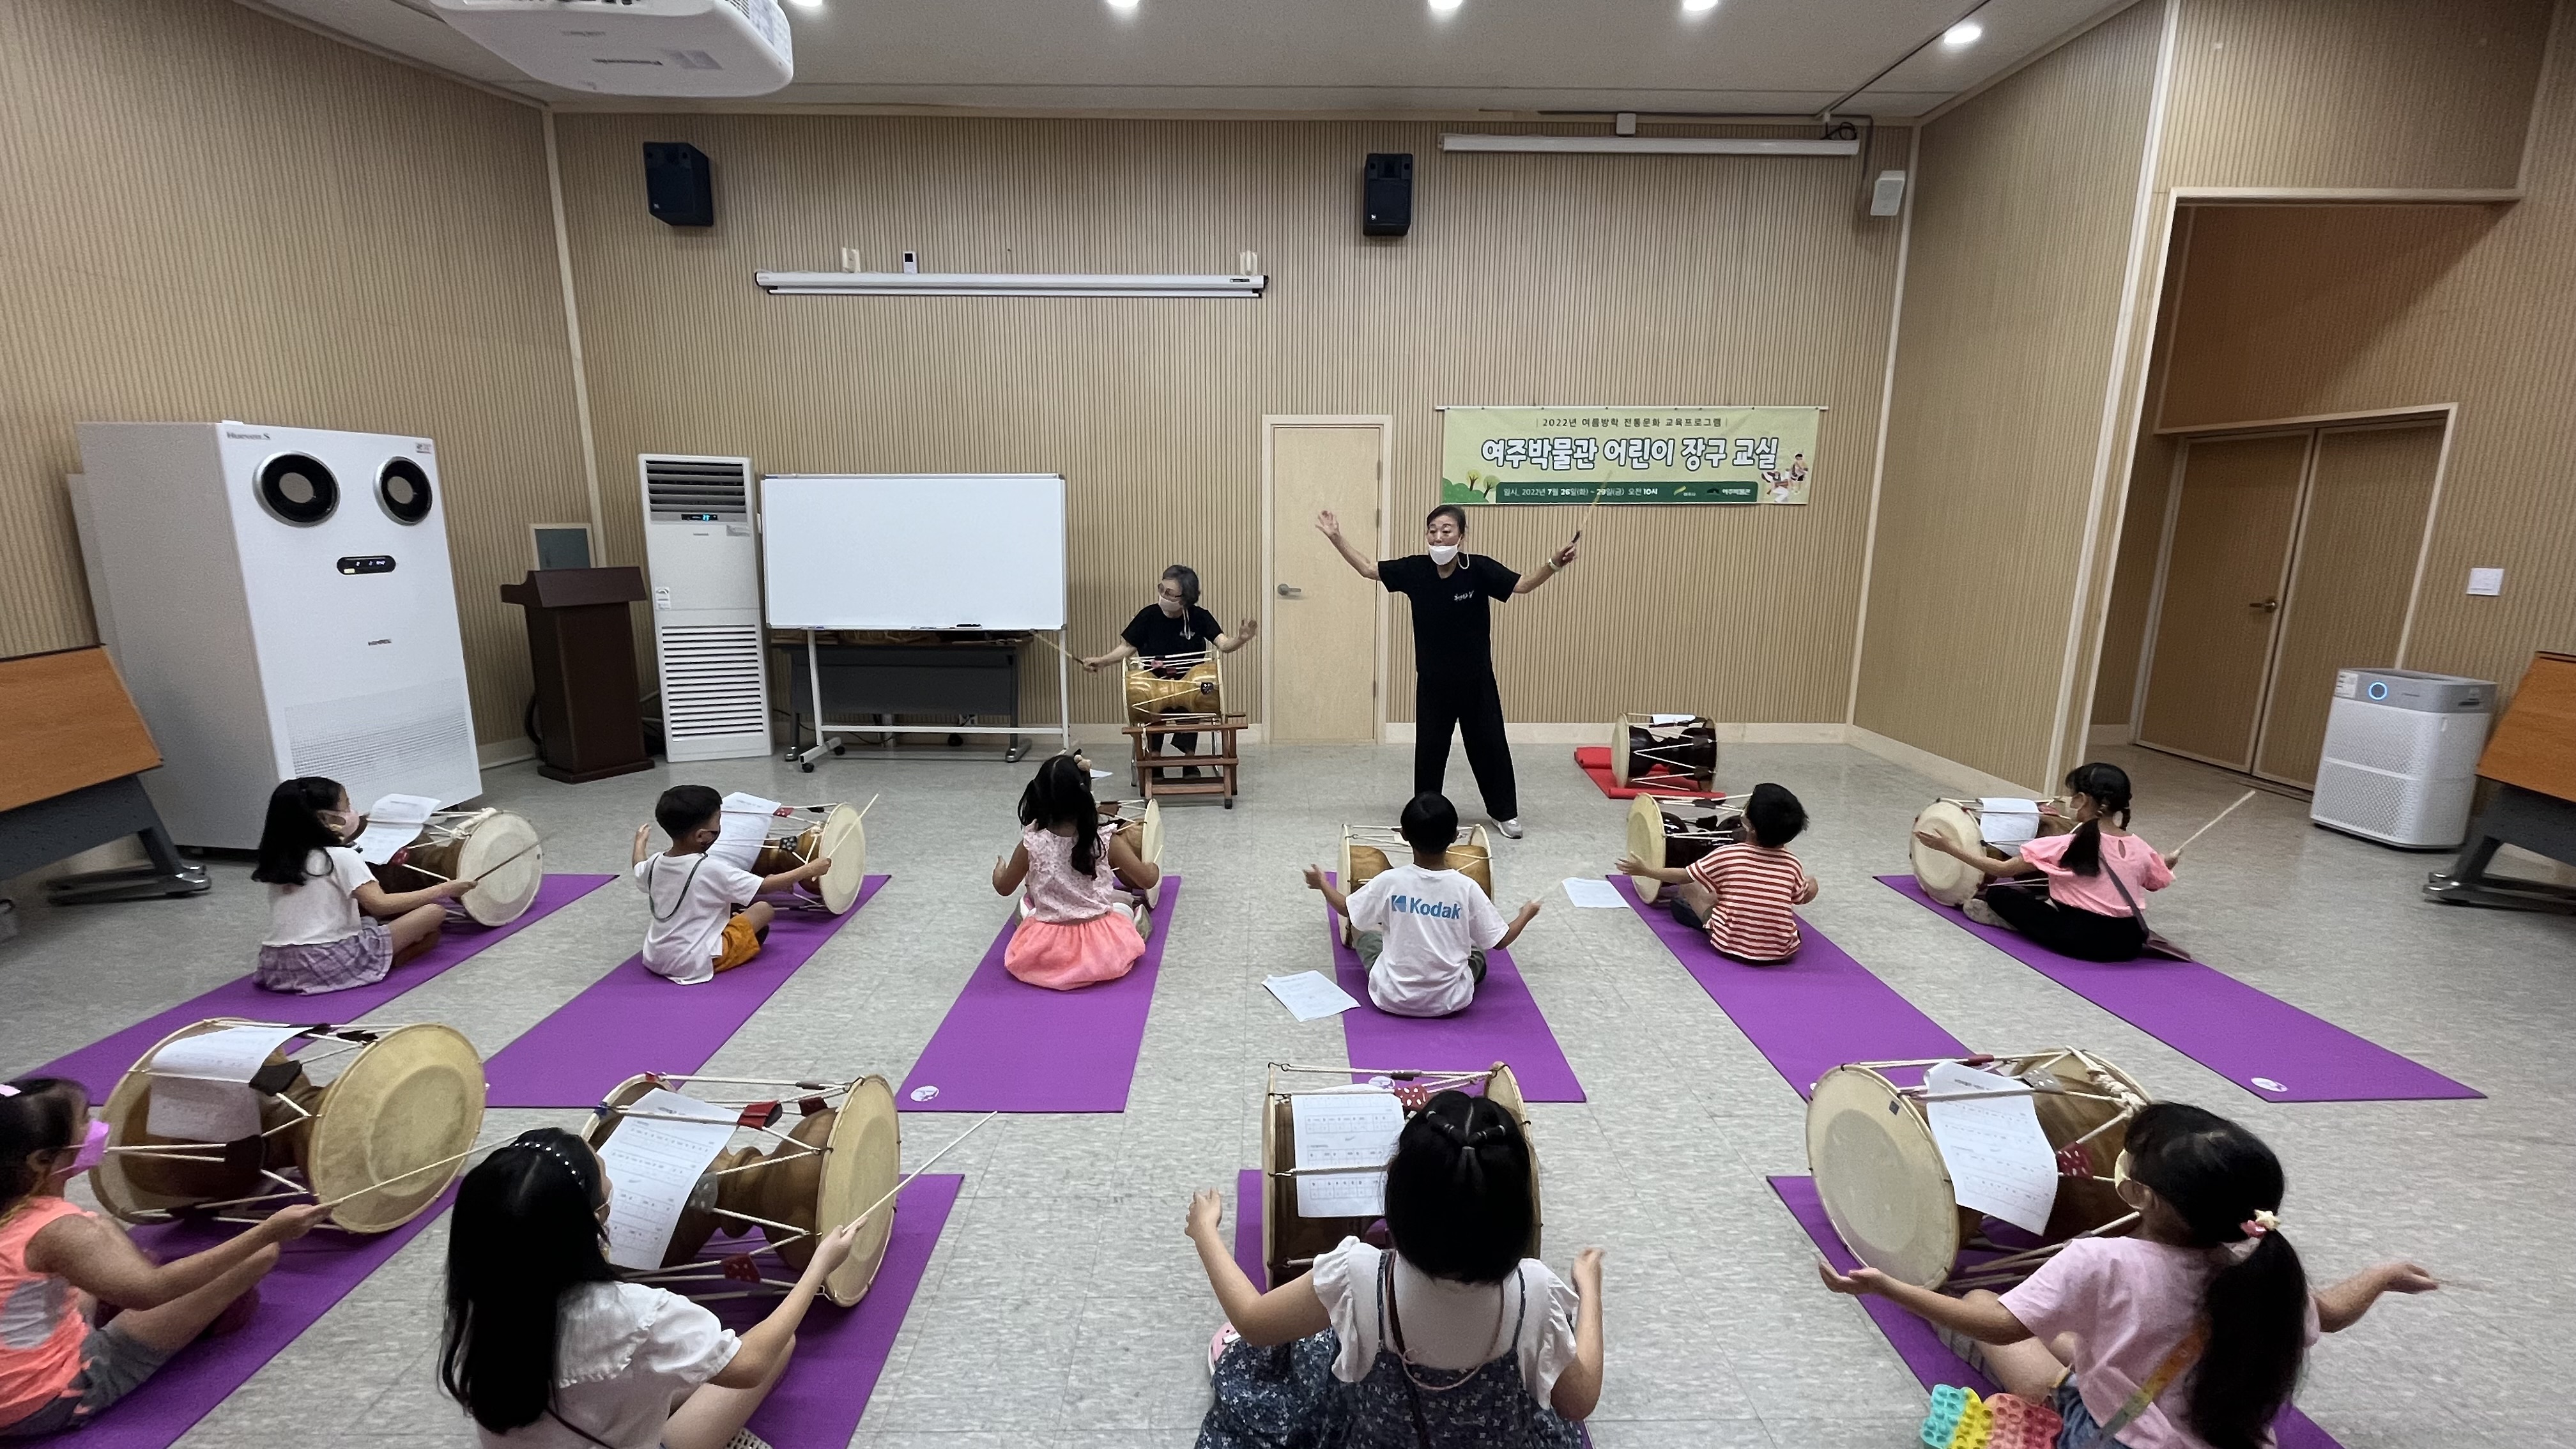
x: 1171, y: 607
x: 1442, y: 553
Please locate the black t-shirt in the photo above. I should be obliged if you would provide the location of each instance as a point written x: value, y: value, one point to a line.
x: 1453, y: 627
x: 1158, y: 635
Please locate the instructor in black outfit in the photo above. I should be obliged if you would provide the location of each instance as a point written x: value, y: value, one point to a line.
x: 1453, y: 657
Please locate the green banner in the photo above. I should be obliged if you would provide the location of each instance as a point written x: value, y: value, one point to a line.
x: 1627, y: 455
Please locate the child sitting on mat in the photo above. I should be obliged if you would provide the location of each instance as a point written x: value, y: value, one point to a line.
x: 548, y: 1349
x: 706, y: 915
x: 1079, y: 926
x: 2190, y: 1333
x: 1453, y: 1340
x: 1424, y: 928
x: 1742, y: 894
x: 330, y: 925
x: 2096, y: 874
x: 67, y: 1352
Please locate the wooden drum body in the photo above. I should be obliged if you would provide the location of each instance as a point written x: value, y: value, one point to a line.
x: 842, y: 1153
x: 802, y: 834
x: 495, y: 848
x: 1660, y: 750
x: 379, y: 1141
x: 1290, y: 1243
x: 1176, y: 689
x: 1674, y: 832
x: 1368, y: 850
x: 1885, y: 1186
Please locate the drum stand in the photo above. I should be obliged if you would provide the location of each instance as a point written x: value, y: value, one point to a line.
x: 1147, y: 760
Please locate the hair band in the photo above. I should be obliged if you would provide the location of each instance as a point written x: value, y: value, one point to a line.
x: 2262, y: 1222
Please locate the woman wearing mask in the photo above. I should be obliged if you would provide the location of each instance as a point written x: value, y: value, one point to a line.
x: 1453, y: 655
x: 1175, y: 628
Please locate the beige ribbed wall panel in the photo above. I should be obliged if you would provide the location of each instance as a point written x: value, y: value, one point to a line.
x: 2021, y: 230
x: 2352, y: 93
x: 208, y: 214
x: 1527, y: 279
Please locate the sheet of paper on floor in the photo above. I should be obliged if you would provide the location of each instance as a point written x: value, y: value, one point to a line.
x: 393, y: 822
x: 200, y: 1087
x: 654, y: 1164
x: 1594, y: 892
x: 1999, y: 1159
x: 1310, y: 995
x: 1356, y: 1128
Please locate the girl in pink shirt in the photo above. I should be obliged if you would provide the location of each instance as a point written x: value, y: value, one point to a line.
x: 59, y: 1367
x: 2188, y: 1334
x: 1078, y: 926
x: 2097, y: 874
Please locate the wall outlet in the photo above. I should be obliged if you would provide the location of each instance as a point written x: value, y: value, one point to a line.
x: 2489, y: 582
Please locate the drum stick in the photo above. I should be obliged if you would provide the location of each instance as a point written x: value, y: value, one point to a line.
x: 397, y: 1177
x: 1586, y: 520
x: 2221, y: 815
x: 925, y: 1167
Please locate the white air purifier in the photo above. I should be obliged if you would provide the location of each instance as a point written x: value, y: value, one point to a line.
x: 2401, y: 756
x: 703, y: 553
x: 635, y: 47
x: 280, y: 603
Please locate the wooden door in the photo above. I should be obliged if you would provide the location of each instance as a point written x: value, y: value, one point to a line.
x: 1322, y: 637
x: 2227, y: 563
x: 2369, y: 491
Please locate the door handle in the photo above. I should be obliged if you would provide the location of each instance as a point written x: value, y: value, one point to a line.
x: 2266, y: 605
x: 1291, y: 591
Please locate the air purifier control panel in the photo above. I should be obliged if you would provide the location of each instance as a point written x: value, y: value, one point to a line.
x: 2409, y: 689
x: 374, y: 563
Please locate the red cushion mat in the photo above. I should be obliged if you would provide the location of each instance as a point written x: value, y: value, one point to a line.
x: 1594, y: 760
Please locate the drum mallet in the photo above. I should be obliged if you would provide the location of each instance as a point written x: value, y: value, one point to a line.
x: 925, y: 1167
x: 2213, y: 820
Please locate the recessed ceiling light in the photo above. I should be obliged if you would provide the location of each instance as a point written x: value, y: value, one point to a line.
x: 1122, y: 4
x: 806, y: 4
x: 1698, y: 7
x: 1966, y: 32
x: 1445, y: 7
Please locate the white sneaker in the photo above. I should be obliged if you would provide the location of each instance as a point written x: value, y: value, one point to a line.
x: 745, y: 1439
x: 1511, y: 827
x: 1978, y: 911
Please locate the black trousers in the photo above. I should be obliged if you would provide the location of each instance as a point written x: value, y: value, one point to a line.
x: 2082, y: 934
x: 1474, y: 708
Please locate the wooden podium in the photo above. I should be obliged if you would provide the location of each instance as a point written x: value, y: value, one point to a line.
x: 581, y: 648
x: 76, y: 748
x: 2531, y: 758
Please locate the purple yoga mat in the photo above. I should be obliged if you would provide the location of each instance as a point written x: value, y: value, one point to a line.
x: 840, y: 1352
x: 1809, y: 1014
x: 102, y: 1063
x: 2256, y: 1040
x: 631, y: 1020
x: 1924, y: 1355
x: 1247, y: 1228
x: 312, y: 1273
x: 1502, y: 1024
x: 1007, y: 1046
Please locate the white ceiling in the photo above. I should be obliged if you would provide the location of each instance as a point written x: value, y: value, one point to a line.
x: 1744, y: 57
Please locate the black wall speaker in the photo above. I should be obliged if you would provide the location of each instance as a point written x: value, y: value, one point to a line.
x: 1386, y: 199
x: 679, y: 183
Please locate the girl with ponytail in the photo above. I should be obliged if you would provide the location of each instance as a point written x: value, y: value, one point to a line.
x: 1078, y: 925
x: 2097, y: 874
x: 2190, y: 1333
x: 1450, y: 1340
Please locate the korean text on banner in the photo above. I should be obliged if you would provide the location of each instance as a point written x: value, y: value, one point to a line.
x: 1628, y: 454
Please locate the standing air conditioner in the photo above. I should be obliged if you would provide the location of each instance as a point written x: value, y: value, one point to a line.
x: 2401, y: 756
x: 704, y: 558
x: 280, y: 602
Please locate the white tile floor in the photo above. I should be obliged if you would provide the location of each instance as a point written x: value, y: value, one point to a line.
x: 1064, y: 1308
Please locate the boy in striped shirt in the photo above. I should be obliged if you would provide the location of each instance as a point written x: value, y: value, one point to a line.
x: 1742, y: 894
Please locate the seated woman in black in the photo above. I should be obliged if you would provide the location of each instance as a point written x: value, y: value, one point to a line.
x: 1174, y: 627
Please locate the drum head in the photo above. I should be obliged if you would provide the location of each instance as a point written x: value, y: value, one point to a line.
x: 1646, y: 842
x: 1505, y: 1088
x: 1881, y: 1177
x: 1149, y: 848
x: 1619, y: 752
x: 865, y: 1163
x: 1352, y: 856
x: 410, y: 1098
x: 500, y: 851
x: 1946, y: 878
x: 845, y: 844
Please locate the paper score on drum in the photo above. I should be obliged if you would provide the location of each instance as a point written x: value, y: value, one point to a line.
x: 1987, y: 1128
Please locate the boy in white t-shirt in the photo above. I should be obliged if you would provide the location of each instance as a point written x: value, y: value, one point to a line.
x: 1424, y: 928
x: 705, y: 915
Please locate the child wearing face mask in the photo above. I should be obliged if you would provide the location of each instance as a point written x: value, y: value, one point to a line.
x: 2190, y: 1333
x: 330, y: 925
x: 59, y: 1366
x: 1175, y: 627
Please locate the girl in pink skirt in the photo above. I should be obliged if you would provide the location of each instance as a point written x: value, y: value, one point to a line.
x: 1077, y: 924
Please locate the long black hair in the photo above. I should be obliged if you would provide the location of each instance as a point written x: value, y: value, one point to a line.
x: 2215, y: 1175
x: 526, y: 1229
x: 40, y: 1115
x: 1458, y: 1190
x: 2109, y: 787
x: 294, y: 829
x: 1060, y: 792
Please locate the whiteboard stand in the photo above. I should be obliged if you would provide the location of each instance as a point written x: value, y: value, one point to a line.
x: 828, y: 743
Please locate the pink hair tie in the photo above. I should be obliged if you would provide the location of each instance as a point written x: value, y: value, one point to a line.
x: 2262, y: 1222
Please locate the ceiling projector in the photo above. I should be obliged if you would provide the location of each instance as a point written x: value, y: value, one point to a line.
x: 635, y: 47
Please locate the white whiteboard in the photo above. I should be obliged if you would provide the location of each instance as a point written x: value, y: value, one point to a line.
x: 913, y: 550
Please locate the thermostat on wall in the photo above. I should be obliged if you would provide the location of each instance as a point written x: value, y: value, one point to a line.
x: 2489, y: 582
